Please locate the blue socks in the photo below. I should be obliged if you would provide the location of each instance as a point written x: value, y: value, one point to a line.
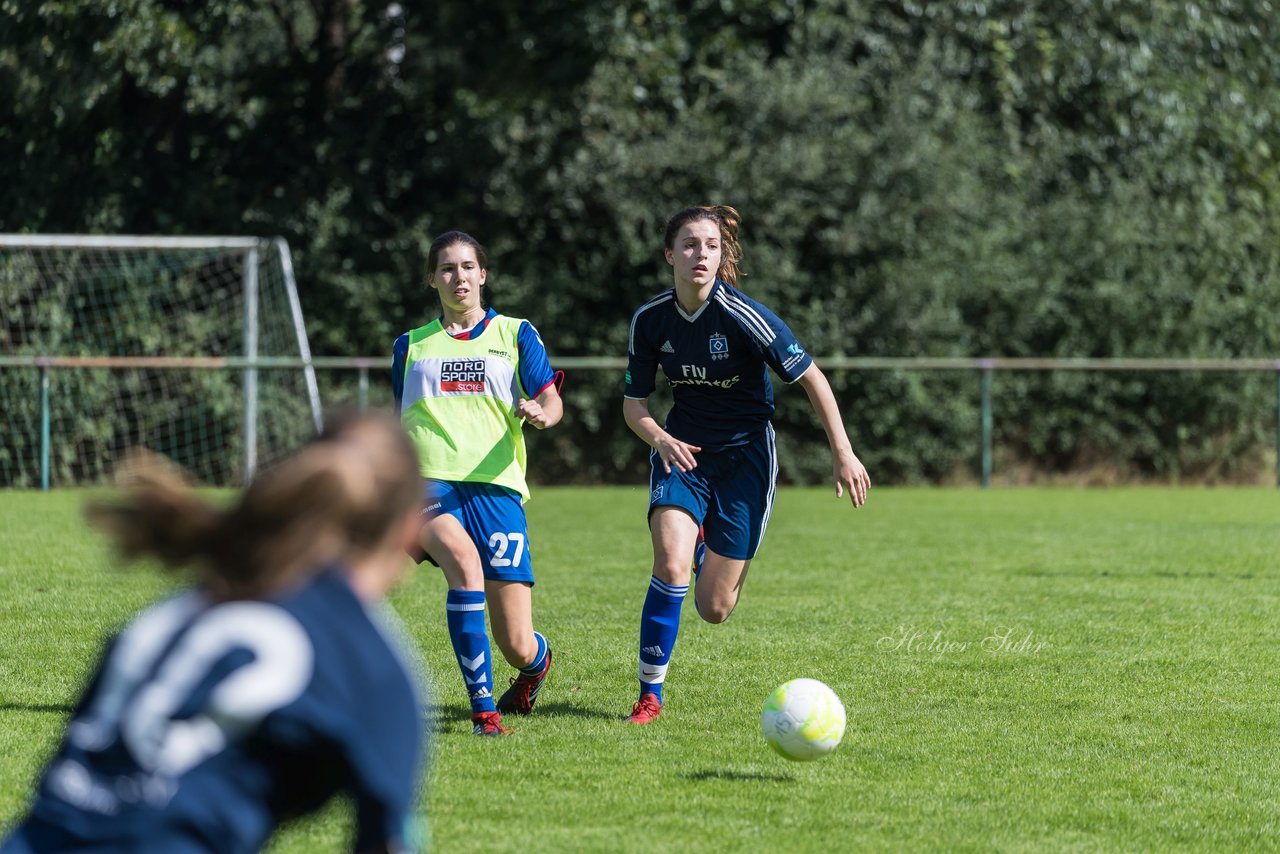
x: 464, y: 611
x: 534, y: 667
x: 659, y: 623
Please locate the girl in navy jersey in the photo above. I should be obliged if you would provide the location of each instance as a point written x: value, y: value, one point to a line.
x: 714, y: 465
x: 266, y: 688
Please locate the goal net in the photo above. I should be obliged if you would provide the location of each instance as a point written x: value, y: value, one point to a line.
x: 192, y: 347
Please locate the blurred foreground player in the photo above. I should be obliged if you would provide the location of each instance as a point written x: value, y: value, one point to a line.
x: 268, y: 686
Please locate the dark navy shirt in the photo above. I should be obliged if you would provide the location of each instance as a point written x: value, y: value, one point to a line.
x: 207, y: 725
x: 716, y: 361
x: 535, y: 367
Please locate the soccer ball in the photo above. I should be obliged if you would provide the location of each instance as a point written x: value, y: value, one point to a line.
x: 803, y: 719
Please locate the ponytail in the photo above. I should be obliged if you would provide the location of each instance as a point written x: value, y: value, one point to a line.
x: 161, y: 517
x: 731, y: 250
x: 729, y: 221
x: 336, y: 498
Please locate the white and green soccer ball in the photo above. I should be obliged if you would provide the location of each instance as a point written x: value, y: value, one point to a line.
x: 803, y: 719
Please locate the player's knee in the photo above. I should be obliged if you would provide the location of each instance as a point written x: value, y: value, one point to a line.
x: 518, y: 651
x: 464, y: 566
x: 472, y: 578
x: 714, y: 611
x: 672, y: 571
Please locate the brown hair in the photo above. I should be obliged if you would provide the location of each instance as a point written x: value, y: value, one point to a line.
x: 338, y: 497
x: 729, y: 221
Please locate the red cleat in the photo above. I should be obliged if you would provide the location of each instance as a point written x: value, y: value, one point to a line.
x: 646, y: 710
x: 489, y: 723
x: 524, y: 690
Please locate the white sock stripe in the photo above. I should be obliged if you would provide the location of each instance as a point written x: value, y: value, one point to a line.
x: 631, y: 333
x: 671, y: 589
x: 464, y: 606
x: 653, y: 579
x: 748, y: 317
x: 653, y: 674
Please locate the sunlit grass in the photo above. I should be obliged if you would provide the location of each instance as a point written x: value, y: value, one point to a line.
x: 1022, y: 670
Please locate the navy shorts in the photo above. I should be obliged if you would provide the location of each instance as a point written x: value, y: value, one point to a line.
x: 730, y: 493
x: 35, y: 836
x: 493, y: 516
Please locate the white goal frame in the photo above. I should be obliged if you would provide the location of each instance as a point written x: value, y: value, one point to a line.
x: 252, y: 249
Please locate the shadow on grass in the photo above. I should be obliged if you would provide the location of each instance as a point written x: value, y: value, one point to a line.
x: 445, y: 718
x: 448, y: 718
x: 47, y: 708
x: 572, y: 711
x: 738, y: 776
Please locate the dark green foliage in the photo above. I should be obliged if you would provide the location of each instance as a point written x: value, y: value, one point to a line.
x: 947, y: 179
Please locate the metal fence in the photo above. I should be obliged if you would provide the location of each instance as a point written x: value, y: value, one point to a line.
x: 986, y: 367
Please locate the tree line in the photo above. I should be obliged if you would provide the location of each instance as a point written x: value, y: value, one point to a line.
x: 975, y: 178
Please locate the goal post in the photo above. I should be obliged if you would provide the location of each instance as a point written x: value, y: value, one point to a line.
x: 191, y: 346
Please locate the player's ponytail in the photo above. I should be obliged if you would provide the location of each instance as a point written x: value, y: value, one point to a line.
x: 160, y: 516
x: 729, y: 221
x: 730, y: 249
x: 336, y: 498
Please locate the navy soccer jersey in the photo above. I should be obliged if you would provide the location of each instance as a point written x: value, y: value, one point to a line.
x: 716, y: 361
x: 207, y: 725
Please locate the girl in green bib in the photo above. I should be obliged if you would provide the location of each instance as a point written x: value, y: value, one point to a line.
x: 465, y: 386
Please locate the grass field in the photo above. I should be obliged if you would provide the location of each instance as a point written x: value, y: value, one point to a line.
x: 1094, y: 670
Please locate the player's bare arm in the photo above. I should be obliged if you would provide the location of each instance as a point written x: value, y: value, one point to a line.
x: 543, y: 411
x: 847, y: 470
x: 670, y: 450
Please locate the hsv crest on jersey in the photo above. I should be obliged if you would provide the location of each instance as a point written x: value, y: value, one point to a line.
x: 464, y: 375
x: 719, y: 346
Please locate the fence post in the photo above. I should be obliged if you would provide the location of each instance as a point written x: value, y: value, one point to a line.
x: 44, y: 428
x: 985, y: 364
x: 250, y: 278
x: 363, y: 396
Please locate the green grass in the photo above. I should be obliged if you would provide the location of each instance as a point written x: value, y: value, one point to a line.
x: 1141, y: 712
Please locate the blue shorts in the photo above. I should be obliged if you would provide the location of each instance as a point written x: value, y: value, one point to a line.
x: 493, y: 517
x: 730, y: 493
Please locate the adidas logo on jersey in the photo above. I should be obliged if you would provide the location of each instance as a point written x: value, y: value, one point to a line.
x: 666, y: 347
x: 655, y: 651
